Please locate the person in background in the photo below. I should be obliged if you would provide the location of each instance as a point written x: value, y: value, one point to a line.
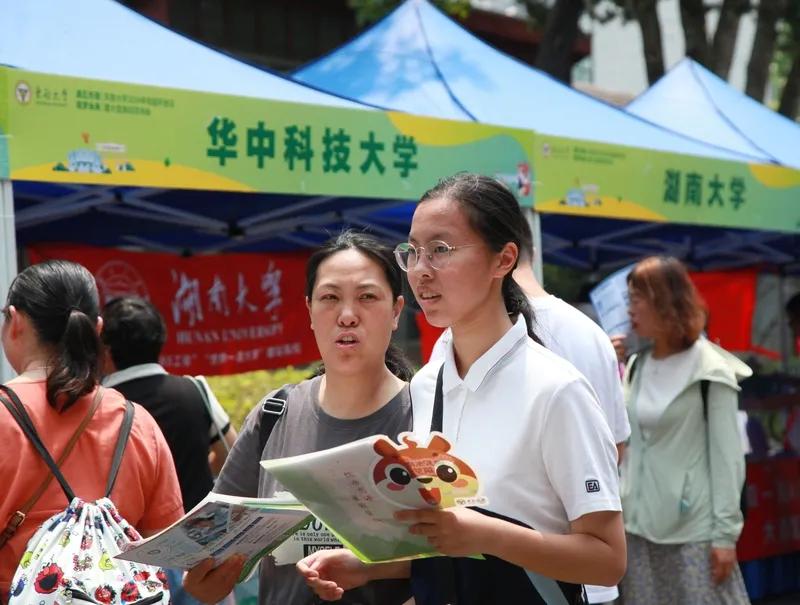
x: 50, y: 337
x: 353, y: 295
x: 793, y: 316
x: 683, y: 471
x: 791, y: 441
x: 523, y: 418
x: 570, y: 334
x: 193, y: 423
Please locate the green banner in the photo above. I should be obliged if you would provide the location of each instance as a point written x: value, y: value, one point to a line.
x: 72, y: 130
x: 595, y: 179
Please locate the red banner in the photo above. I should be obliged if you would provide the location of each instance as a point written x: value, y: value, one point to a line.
x: 731, y: 300
x: 224, y: 313
x: 772, y: 526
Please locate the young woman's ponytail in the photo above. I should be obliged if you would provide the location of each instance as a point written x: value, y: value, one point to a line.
x: 75, y: 363
x: 60, y: 299
x: 517, y: 304
x: 398, y: 364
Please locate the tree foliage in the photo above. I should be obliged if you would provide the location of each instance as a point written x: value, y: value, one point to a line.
x: 369, y: 11
x: 786, y: 66
x: 775, y: 52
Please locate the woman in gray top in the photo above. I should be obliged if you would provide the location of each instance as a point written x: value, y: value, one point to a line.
x: 353, y: 295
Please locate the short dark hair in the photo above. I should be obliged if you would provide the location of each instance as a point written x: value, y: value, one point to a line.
x: 60, y: 298
x: 364, y: 243
x: 133, y: 330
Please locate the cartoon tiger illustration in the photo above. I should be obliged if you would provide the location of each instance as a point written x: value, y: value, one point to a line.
x: 422, y: 477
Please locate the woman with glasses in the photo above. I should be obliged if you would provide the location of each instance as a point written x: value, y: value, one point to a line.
x: 525, y: 420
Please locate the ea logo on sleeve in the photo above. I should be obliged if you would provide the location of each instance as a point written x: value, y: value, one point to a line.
x: 592, y: 486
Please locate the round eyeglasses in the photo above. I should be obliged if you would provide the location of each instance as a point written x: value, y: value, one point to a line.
x: 436, y: 252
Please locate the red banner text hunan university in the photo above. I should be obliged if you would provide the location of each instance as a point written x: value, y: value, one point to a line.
x: 224, y: 313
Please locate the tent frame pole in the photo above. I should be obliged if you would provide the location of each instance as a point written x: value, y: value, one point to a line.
x: 535, y: 223
x: 8, y: 259
x: 786, y: 351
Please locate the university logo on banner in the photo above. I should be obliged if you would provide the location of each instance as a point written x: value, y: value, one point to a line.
x: 224, y: 313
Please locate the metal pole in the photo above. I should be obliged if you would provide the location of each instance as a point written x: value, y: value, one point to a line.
x: 8, y: 259
x: 782, y: 329
x: 535, y: 223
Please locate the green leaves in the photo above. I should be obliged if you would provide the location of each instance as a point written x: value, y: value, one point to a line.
x: 369, y: 11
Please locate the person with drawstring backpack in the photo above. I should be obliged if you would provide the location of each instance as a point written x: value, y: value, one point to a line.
x: 56, y: 409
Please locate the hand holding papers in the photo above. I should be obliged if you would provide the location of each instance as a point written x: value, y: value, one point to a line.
x: 220, y: 527
x: 356, y: 488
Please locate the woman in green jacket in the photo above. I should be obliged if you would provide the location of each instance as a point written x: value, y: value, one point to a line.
x: 684, y: 466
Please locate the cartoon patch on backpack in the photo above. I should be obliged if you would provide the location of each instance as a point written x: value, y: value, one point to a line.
x: 424, y: 477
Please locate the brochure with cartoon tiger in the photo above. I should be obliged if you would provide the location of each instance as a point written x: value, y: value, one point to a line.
x: 356, y: 488
x: 222, y: 526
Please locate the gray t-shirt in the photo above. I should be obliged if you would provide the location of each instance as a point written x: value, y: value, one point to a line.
x: 305, y: 428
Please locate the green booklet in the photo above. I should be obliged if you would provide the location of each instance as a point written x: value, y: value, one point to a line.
x: 356, y: 488
x: 219, y: 527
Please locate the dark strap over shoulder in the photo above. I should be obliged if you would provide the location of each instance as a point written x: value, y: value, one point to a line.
x: 18, y: 412
x: 20, y: 514
x: 437, y: 419
x: 704, y: 384
x: 634, y: 363
x: 272, y: 408
x: 122, y: 442
x: 207, y: 403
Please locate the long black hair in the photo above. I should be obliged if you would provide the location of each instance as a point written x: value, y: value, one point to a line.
x: 382, y: 256
x: 60, y: 299
x: 494, y: 213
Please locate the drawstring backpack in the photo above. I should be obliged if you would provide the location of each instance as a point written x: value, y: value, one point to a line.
x: 69, y: 559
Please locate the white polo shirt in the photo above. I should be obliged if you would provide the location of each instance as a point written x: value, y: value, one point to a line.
x: 569, y: 333
x: 530, y: 426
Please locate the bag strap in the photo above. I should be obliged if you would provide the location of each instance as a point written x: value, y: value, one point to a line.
x: 207, y: 402
x: 272, y: 408
x: 18, y: 412
x: 634, y: 363
x: 19, y: 516
x: 704, y: 384
x: 119, y: 450
x: 437, y: 419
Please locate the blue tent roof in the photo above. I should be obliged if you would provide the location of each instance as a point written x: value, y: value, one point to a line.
x: 420, y: 61
x: 101, y: 39
x: 692, y: 100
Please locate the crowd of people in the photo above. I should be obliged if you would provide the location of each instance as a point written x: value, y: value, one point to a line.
x: 592, y: 478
